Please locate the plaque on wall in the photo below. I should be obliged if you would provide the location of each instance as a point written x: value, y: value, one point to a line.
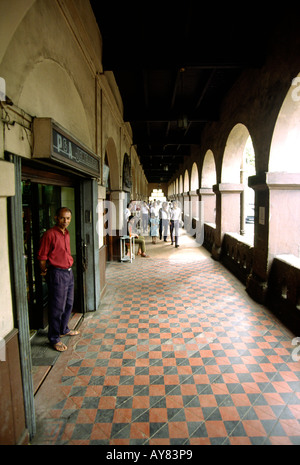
x: 53, y: 142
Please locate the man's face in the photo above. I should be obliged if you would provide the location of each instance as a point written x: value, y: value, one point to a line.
x: 63, y: 219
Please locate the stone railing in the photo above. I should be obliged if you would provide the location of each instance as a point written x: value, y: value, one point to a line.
x: 237, y: 255
x: 284, y: 290
x: 283, y: 287
x: 209, y: 236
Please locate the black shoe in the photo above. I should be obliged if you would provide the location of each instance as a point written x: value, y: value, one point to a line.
x: 176, y: 246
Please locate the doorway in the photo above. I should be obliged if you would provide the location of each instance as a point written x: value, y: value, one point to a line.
x: 39, y: 192
x: 30, y: 212
x: 39, y: 204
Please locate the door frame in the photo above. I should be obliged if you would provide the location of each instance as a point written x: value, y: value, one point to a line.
x: 87, y: 239
x: 90, y: 280
x: 19, y: 294
x: 90, y: 243
x: 45, y: 178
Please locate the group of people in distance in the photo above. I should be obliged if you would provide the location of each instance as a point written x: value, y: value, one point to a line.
x: 155, y: 216
x: 56, y: 261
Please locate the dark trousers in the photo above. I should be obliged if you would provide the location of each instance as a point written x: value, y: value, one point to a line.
x: 144, y: 222
x: 60, y: 302
x: 174, y: 228
x: 165, y: 224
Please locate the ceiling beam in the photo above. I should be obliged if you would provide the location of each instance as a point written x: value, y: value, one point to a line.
x: 141, y: 140
x: 136, y: 116
x: 164, y: 157
x: 121, y: 63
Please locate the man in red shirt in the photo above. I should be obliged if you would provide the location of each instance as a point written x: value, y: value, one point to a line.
x: 56, y: 263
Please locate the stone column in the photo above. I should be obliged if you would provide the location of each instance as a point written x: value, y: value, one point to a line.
x: 186, y: 211
x: 277, y: 223
x: 207, y: 196
x: 207, y: 212
x: 102, y: 241
x: 227, y: 213
x: 180, y: 199
x: 194, y: 210
x: 115, y: 219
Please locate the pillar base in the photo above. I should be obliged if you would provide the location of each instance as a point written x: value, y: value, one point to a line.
x: 257, y: 289
x: 216, y: 252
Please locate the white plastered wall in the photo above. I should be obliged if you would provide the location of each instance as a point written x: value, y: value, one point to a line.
x: 7, y: 188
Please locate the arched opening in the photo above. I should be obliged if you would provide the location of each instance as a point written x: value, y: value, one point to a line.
x: 186, y: 183
x: 126, y: 177
x: 234, y: 154
x: 180, y: 185
x: 112, y: 162
x: 171, y: 190
x: 186, y: 203
x: 238, y: 165
x: 65, y: 105
x: 134, y: 184
x: 194, y: 189
x: 285, y: 146
x: 284, y: 177
x: 194, y: 178
x: 209, y: 176
x: 248, y: 207
x: 111, y: 206
x: 208, y: 180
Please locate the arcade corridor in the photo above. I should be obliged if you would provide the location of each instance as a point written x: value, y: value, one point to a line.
x: 177, y: 354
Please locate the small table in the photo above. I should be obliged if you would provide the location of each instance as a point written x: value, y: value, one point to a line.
x: 123, y: 241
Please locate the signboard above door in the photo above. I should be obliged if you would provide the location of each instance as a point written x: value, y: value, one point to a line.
x: 52, y: 142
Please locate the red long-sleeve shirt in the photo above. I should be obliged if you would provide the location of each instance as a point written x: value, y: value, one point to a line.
x: 55, y: 248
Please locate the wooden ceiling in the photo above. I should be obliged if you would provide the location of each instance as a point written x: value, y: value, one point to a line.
x: 174, y: 62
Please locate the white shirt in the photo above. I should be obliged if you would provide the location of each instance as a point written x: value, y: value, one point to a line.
x: 176, y: 214
x: 144, y: 210
x: 154, y: 210
x: 165, y: 215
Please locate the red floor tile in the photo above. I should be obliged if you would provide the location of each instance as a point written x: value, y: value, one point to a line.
x: 176, y: 354
x: 216, y: 429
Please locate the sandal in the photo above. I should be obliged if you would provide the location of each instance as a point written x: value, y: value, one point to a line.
x: 71, y: 333
x: 60, y: 347
x: 144, y: 255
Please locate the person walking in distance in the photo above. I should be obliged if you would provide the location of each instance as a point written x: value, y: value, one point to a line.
x: 165, y: 218
x: 175, y: 218
x: 56, y: 263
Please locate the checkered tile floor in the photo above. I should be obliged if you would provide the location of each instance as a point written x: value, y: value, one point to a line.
x: 178, y: 354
